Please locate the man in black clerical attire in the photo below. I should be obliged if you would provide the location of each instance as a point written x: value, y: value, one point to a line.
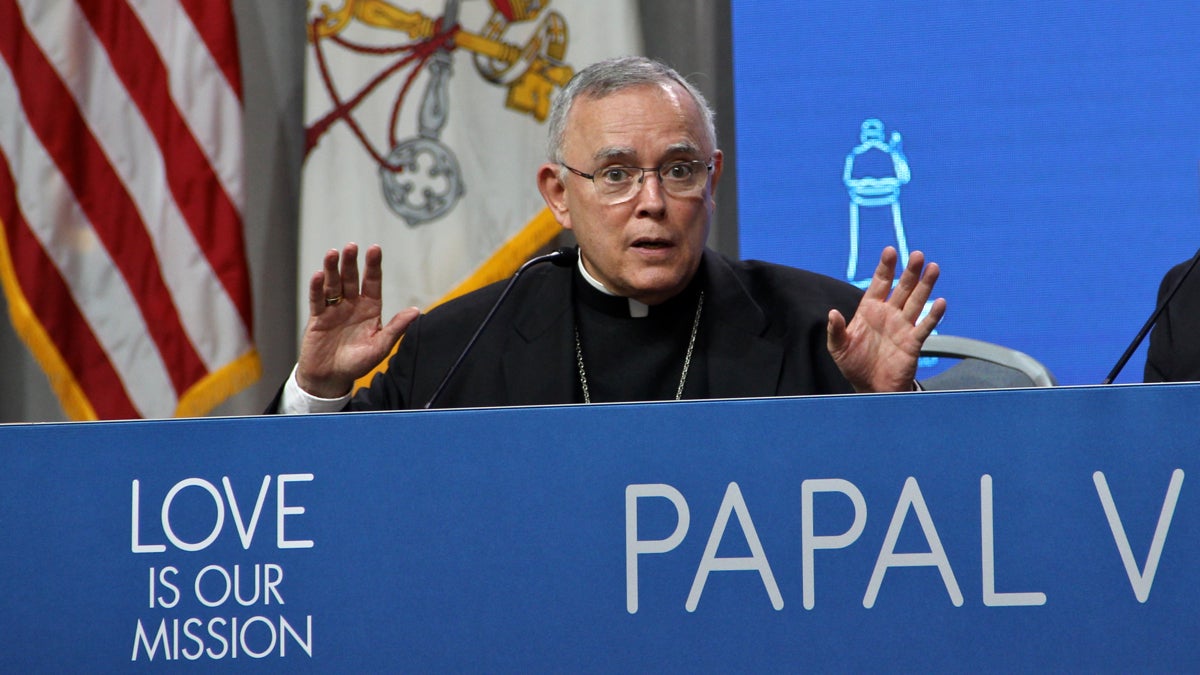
x: 645, y: 313
x: 1174, y: 354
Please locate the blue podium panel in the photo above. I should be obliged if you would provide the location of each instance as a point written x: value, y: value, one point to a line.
x: 1056, y: 529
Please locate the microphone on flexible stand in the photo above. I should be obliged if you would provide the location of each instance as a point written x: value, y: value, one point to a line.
x: 563, y: 257
x: 1150, y: 322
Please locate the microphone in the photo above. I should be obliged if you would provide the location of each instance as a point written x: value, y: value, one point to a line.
x: 563, y: 257
x: 1150, y: 322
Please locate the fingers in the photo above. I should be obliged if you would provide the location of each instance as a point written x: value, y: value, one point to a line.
x: 908, y: 281
x: 925, y: 328
x: 349, y: 289
x: 885, y: 271
x: 332, y: 286
x: 372, y: 281
x: 912, y: 290
x: 335, y: 283
x: 915, y: 303
x: 835, y: 332
x: 316, y: 293
x: 394, y: 328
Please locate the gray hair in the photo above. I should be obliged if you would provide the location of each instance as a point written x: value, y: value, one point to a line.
x: 609, y: 77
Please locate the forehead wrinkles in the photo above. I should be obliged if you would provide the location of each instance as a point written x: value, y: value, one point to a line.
x: 619, y: 126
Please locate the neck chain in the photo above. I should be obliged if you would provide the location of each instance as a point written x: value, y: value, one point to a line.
x: 687, y: 359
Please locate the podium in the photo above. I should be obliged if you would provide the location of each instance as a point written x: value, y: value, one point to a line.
x: 1049, y: 529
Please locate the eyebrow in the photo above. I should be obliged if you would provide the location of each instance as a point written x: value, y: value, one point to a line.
x: 627, y: 154
x: 622, y: 154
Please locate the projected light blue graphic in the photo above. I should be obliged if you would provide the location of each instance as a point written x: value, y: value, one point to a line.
x: 1053, y: 147
x: 874, y: 173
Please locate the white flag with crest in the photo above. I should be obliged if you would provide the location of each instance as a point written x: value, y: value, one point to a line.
x: 425, y: 127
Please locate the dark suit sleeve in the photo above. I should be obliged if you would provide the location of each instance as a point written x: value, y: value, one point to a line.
x: 392, y: 389
x: 1174, y: 353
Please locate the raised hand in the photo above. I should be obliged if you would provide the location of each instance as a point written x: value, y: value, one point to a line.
x: 345, y: 337
x: 878, y: 350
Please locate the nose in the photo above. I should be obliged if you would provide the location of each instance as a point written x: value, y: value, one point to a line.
x: 650, y: 201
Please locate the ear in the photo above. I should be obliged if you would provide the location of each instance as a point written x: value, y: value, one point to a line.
x: 554, y: 192
x: 718, y: 163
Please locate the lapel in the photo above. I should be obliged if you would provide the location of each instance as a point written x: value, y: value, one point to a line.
x: 742, y: 359
x: 539, y: 361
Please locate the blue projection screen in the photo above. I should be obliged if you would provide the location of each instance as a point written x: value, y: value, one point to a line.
x: 1046, y: 154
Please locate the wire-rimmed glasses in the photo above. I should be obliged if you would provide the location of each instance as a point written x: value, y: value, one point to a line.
x: 617, y: 184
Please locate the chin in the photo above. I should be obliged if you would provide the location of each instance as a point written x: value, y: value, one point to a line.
x: 658, y: 289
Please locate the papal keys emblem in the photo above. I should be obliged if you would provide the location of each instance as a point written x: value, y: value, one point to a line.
x: 419, y: 174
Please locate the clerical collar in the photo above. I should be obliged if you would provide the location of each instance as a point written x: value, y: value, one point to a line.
x: 637, y: 309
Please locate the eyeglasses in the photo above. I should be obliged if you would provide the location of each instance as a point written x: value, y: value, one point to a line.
x: 617, y: 184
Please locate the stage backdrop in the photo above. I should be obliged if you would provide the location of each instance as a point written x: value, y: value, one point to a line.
x: 1044, y: 153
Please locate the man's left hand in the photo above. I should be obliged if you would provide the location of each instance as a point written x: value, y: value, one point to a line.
x: 878, y: 350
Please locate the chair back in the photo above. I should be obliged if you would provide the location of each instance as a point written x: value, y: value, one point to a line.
x: 983, y: 365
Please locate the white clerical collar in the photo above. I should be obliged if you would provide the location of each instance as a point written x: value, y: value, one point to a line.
x: 637, y: 309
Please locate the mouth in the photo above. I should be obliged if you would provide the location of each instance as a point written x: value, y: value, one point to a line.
x: 649, y: 244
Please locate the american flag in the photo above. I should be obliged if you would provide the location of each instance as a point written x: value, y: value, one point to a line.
x: 122, y: 254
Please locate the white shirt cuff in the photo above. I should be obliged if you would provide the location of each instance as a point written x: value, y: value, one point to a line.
x: 296, y: 401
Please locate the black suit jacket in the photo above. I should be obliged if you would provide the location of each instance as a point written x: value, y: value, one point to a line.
x: 1174, y: 354
x: 763, y: 335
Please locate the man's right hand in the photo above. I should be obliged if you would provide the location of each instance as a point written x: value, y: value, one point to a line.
x: 345, y: 337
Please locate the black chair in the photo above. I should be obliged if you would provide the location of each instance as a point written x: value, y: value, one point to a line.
x: 983, y: 365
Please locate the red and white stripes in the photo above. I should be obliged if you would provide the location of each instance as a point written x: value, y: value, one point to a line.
x: 120, y: 202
